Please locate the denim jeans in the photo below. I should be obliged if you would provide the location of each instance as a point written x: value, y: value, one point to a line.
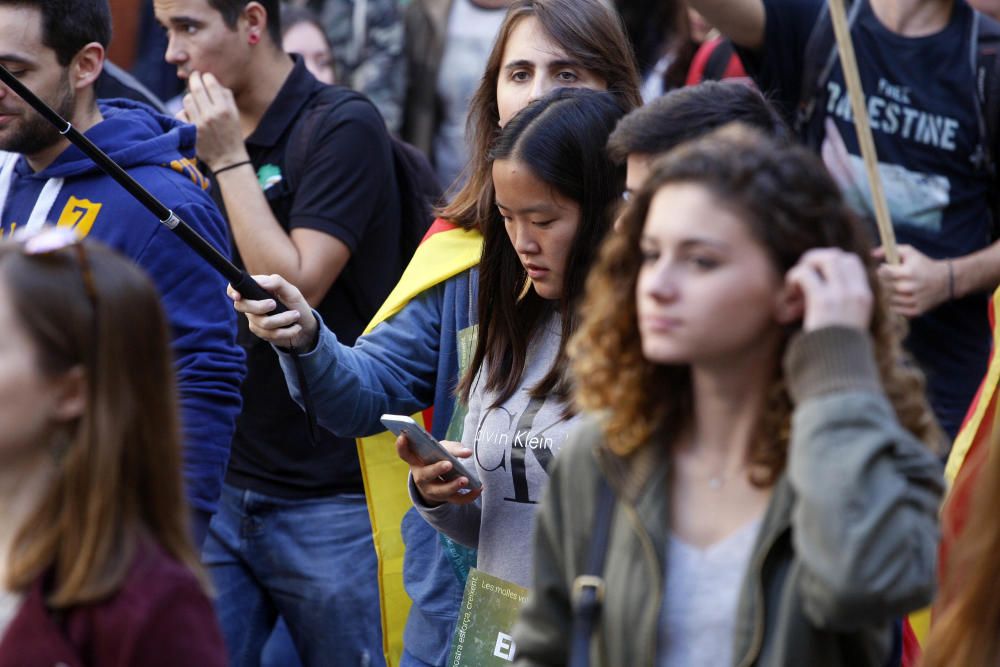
x: 311, y: 562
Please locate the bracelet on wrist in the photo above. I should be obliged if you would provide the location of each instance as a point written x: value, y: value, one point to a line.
x: 234, y: 165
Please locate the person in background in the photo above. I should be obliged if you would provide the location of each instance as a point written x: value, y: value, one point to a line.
x: 666, y: 36
x: 367, y: 41
x: 447, y: 45
x: 302, y: 34
x: 97, y: 566
x: 648, y: 132
x: 754, y: 430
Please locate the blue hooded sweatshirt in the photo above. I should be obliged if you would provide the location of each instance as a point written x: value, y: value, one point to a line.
x: 158, y: 151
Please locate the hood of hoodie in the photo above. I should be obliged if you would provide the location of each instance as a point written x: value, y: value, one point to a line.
x: 132, y: 134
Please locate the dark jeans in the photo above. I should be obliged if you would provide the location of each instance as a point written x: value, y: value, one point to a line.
x: 311, y: 562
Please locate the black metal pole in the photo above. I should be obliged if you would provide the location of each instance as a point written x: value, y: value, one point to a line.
x: 239, y: 279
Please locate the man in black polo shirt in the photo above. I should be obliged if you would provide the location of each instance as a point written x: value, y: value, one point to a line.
x: 292, y: 537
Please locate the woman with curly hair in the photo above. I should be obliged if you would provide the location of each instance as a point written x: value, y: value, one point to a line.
x: 753, y: 424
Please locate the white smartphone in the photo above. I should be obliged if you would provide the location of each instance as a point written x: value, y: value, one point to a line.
x: 428, y: 448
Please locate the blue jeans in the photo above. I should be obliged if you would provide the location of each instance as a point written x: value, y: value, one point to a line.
x: 311, y: 562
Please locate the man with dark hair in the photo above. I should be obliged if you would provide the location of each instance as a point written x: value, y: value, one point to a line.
x: 232, y: 10
x: 305, y: 172
x: 683, y: 114
x: 57, y: 48
x: 69, y: 25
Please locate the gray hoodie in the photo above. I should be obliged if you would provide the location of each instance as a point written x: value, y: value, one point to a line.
x: 514, y: 445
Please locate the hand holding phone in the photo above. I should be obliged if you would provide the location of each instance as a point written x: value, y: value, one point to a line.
x: 434, y: 463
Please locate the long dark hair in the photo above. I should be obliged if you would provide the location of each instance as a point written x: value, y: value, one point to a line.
x: 561, y: 140
x: 790, y: 204
x: 591, y: 34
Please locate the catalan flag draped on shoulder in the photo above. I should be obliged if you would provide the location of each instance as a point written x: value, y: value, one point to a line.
x: 971, y: 447
x: 445, y: 252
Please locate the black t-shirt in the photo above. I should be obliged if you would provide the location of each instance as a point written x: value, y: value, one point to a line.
x: 344, y: 186
x: 922, y: 107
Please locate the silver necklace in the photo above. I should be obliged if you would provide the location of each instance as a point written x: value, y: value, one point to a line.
x: 719, y: 479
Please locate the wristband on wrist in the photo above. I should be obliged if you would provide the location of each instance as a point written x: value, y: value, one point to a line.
x: 231, y: 166
x: 951, y: 280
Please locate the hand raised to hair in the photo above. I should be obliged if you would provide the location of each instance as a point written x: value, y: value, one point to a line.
x: 917, y: 284
x: 211, y: 108
x: 295, y: 327
x: 834, y: 287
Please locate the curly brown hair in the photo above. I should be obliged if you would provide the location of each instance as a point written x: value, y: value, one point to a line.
x: 788, y: 200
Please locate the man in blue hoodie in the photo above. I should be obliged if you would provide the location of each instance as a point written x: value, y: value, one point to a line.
x: 57, y: 48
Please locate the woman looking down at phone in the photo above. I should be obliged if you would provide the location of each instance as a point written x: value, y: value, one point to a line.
x: 555, y: 194
x: 410, y: 360
x: 753, y: 423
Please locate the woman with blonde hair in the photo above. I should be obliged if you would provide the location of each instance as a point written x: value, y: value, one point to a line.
x: 96, y: 564
x: 754, y: 431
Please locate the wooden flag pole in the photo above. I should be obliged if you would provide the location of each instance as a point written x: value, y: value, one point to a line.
x: 858, y: 109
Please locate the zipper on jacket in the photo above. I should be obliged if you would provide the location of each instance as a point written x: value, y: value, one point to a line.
x: 759, y: 615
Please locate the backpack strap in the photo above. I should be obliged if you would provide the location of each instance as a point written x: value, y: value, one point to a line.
x: 818, y: 60
x: 984, y: 55
x: 325, y: 100
x: 718, y: 61
x: 588, y: 588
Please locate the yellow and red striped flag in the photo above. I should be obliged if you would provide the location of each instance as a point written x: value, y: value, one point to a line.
x: 971, y: 446
x: 445, y: 251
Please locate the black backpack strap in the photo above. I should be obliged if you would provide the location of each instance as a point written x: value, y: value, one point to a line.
x: 818, y: 60
x: 588, y: 588
x: 322, y: 102
x: 419, y: 192
x: 984, y: 55
x: 718, y: 61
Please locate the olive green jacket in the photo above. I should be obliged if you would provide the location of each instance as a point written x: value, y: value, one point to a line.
x: 848, y: 542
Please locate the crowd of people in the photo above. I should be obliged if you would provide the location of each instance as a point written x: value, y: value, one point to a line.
x: 647, y: 309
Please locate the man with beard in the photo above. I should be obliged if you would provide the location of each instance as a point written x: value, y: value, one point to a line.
x: 57, y: 48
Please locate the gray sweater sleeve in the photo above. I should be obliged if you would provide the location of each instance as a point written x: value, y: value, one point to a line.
x: 867, y: 491
x: 459, y: 522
